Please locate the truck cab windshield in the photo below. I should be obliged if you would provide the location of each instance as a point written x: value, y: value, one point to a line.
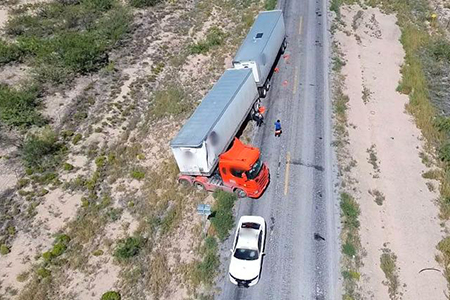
x: 254, y: 171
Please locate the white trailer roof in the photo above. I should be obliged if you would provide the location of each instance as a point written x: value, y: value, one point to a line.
x: 202, y: 121
x: 258, y: 36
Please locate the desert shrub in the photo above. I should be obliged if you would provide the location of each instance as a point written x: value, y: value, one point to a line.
x: 43, y: 272
x: 223, y: 220
x: 206, y: 269
x: 18, y: 106
x: 214, y: 37
x: 129, y: 247
x: 100, y: 161
x: 440, y: 49
x: 169, y: 102
x: 77, y: 138
x: 4, y: 249
x: 349, y: 249
x: 350, y: 210
x: 111, y: 295
x: 9, y: 52
x: 137, y: 174
x: 40, y: 151
x: 97, y: 252
x: 143, y: 3
x: 68, y: 167
x: 444, y: 153
x: 81, y: 52
x: 270, y: 4
x: 69, y: 37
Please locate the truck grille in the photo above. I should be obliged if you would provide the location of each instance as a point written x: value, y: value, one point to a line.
x: 264, y: 179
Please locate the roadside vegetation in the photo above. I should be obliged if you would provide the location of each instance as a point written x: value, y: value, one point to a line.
x: 388, y: 265
x: 425, y: 81
x: 131, y: 213
x: 351, y: 244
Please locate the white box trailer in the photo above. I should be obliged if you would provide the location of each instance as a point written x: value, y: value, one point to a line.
x: 266, y: 38
x: 215, y: 122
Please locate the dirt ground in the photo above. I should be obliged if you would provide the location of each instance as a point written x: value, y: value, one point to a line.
x: 398, y: 211
x: 126, y: 86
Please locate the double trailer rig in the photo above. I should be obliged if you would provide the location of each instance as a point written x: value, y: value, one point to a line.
x: 207, y: 152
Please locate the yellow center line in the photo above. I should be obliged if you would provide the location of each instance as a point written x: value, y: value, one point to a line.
x: 295, y: 81
x: 300, y: 25
x: 286, y: 177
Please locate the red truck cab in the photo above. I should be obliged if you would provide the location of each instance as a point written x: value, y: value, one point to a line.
x: 240, y: 171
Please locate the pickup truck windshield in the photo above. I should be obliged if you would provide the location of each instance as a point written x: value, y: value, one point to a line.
x: 254, y: 171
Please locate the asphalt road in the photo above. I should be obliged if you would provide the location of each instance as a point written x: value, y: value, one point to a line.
x: 299, y: 206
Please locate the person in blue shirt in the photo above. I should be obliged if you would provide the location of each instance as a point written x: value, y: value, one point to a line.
x: 277, y: 128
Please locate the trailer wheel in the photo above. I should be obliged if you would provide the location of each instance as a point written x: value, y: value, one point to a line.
x: 184, y: 182
x: 262, y: 92
x: 240, y: 193
x: 267, y: 85
x: 199, y: 186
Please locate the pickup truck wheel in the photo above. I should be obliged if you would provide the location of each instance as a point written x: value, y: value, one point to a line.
x: 262, y: 92
x: 240, y: 193
x: 184, y: 183
x: 199, y: 186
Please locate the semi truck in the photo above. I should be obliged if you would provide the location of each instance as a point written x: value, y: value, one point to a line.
x: 207, y: 152
x: 260, y: 49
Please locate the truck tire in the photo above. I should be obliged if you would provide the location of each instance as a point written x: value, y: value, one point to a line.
x: 184, y: 182
x: 199, y: 186
x: 283, y: 46
x: 262, y: 92
x: 267, y: 85
x: 240, y: 193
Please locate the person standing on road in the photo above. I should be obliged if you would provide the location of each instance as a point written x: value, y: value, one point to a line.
x: 278, y: 128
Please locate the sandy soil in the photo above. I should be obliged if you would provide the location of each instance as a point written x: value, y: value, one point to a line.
x: 406, y: 222
x: 59, y: 206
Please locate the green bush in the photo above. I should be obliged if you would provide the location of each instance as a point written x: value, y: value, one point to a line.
x: 68, y: 167
x: 4, y: 249
x: 47, y: 256
x: 270, y: 4
x: 100, y: 161
x: 77, y: 138
x: 69, y: 37
x: 38, y: 150
x: 9, y: 52
x: 206, y: 269
x: 169, y: 102
x: 441, y: 50
x: 97, y: 252
x: 349, y: 249
x: 58, y: 249
x: 43, y: 272
x: 214, y: 37
x: 111, y: 295
x: 444, y: 153
x: 223, y: 220
x: 18, y: 106
x: 350, y: 211
x: 81, y: 52
x: 136, y: 174
x: 143, y: 3
x: 129, y: 247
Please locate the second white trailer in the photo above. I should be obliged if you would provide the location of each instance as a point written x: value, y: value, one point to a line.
x: 266, y: 38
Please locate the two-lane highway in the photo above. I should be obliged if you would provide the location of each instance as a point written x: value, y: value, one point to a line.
x: 299, y: 206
